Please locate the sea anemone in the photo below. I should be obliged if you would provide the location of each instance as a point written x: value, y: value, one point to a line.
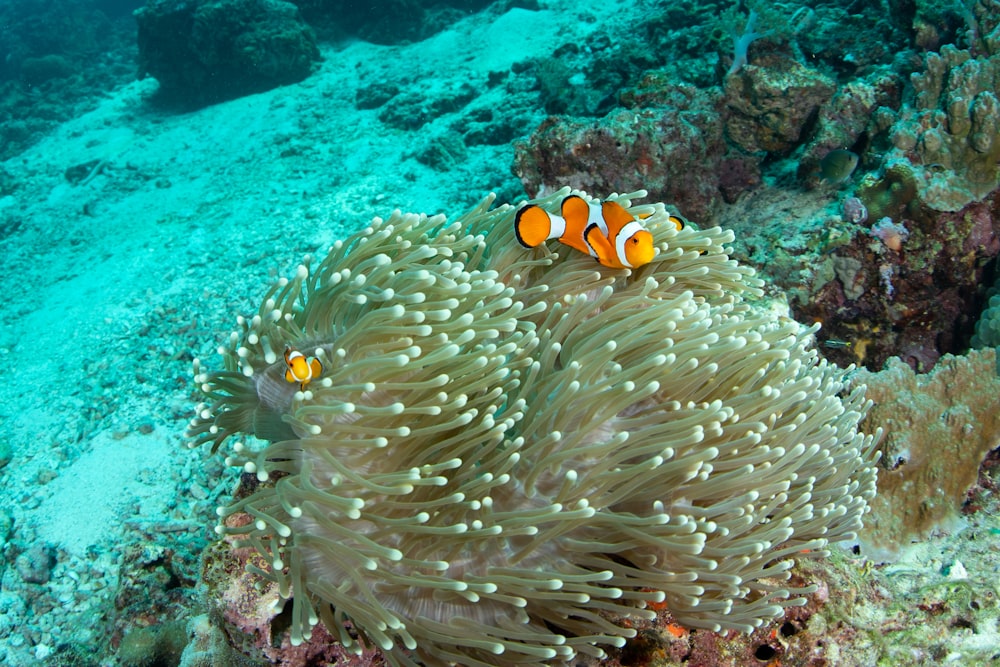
x: 511, y: 451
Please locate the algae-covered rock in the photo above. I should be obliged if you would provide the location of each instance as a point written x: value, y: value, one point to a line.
x: 671, y: 143
x: 770, y: 104
x: 210, y: 50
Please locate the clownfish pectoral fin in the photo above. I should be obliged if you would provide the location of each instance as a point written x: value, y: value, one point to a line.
x: 576, y: 214
x: 316, y: 366
x: 532, y: 226
x: 602, y: 247
x: 289, y: 377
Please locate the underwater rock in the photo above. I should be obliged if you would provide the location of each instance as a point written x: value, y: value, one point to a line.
x: 386, y: 21
x: 442, y: 152
x: 35, y: 565
x: 155, y: 588
x: 843, y: 122
x: 847, y: 38
x: 208, y: 51
x: 376, y: 95
x: 770, y: 103
x: 414, y: 110
x: 159, y: 644
x: 45, y: 68
x: 671, y: 145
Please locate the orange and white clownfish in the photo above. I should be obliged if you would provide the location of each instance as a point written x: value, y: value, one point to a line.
x: 605, y: 231
x: 301, y: 369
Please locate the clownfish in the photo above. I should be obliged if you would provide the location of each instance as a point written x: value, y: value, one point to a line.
x: 301, y: 369
x: 605, y: 231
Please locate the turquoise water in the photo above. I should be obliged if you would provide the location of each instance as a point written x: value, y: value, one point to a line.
x: 137, y: 223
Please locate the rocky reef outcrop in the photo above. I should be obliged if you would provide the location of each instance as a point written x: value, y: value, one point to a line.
x: 204, y: 52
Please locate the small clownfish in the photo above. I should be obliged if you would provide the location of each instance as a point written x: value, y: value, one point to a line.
x: 605, y: 231
x: 301, y: 369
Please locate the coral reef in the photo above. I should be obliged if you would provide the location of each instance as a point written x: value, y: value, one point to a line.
x: 688, y: 144
x: 202, y: 52
x: 947, y: 128
x: 251, y: 622
x: 926, y: 147
x: 937, y: 604
x: 939, y: 428
x: 509, y: 452
x: 59, y: 59
x: 903, y: 283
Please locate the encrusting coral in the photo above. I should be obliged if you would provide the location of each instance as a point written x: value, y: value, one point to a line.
x: 940, y: 426
x: 509, y: 451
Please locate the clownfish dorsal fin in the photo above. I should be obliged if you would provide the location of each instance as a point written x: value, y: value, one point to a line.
x: 576, y: 211
x: 615, y: 216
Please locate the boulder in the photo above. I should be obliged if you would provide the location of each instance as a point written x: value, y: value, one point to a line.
x: 204, y: 51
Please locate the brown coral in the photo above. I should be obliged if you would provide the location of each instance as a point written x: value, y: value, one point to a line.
x: 939, y: 426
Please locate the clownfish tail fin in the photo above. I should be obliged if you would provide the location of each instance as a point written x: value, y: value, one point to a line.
x: 532, y: 226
